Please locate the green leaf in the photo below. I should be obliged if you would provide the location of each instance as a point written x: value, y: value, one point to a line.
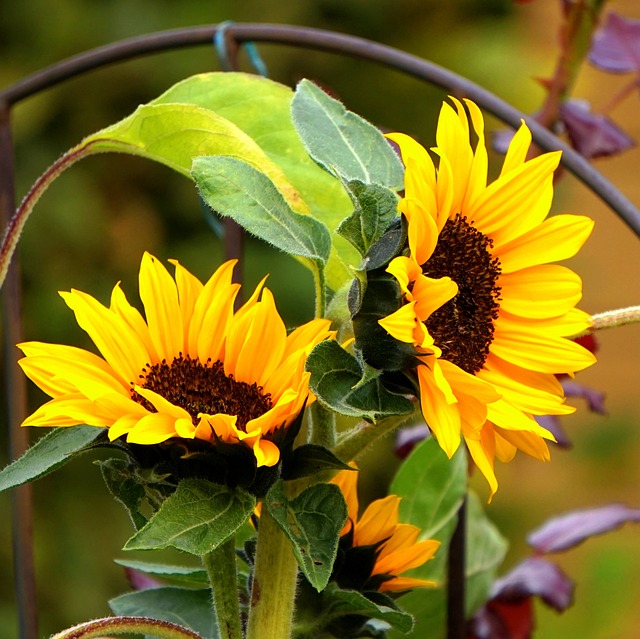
x: 175, y: 134
x: 188, y: 608
x: 375, y: 207
x: 234, y: 189
x: 197, y: 518
x: 312, y: 521
x: 53, y: 450
x: 176, y: 575
x: 486, y: 549
x: 124, y: 486
x: 336, y: 380
x: 341, y: 141
x: 310, y: 459
x: 338, y: 603
x: 432, y: 488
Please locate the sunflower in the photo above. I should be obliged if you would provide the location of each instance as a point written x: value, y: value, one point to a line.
x: 487, y: 313
x: 194, y: 370
x: 376, y: 549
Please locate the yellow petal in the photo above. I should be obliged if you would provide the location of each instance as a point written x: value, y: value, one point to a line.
x: 442, y: 417
x: 402, y: 324
x: 539, y: 292
x: 377, y: 522
x: 483, y: 453
x: 557, y: 238
x: 508, y: 417
x: 159, y: 295
x: 70, y: 410
x: 152, y: 429
x: 189, y: 290
x: 398, y: 584
x: 118, y: 343
x: 214, y: 326
x: 422, y: 231
x: 529, y: 443
x: 518, y: 149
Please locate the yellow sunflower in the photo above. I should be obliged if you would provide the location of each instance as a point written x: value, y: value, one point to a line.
x: 486, y: 311
x: 195, y: 369
x: 376, y: 549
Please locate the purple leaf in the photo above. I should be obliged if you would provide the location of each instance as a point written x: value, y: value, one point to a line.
x: 535, y: 577
x: 553, y: 425
x: 408, y: 438
x: 567, y: 531
x: 502, y: 620
x: 592, y: 135
x: 616, y: 45
x: 594, y: 398
x: 140, y: 581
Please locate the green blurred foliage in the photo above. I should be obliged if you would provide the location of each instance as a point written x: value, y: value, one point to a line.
x: 91, y: 228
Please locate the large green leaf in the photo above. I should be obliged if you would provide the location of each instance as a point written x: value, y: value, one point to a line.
x: 175, y: 134
x: 312, y: 521
x: 261, y: 108
x: 53, y: 450
x: 237, y: 190
x: 343, y: 385
x: 341, y: 141
x: 125, y: 487
x: 197, y: 518
x: 432, y: 488
x: 189, y: 608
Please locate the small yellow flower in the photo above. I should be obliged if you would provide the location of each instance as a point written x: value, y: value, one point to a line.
x: 394, y: 548
x: 488, y: 314
x: 195, y: 369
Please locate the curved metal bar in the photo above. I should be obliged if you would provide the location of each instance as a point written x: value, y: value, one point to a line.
x: 319, y: 39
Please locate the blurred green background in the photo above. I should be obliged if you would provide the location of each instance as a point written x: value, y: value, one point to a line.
x: 92, y: 226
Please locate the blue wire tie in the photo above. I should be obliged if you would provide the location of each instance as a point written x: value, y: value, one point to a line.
x: 220, y: 44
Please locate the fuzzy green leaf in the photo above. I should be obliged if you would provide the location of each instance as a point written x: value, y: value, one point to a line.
x: 341, y: 141
x: 176, y: 575
x: 125, y: 487
x: 310, y: 459
x: 197, y: 518
x: 337, y: 381
x: 312, y: 521
x: 375, y: 207
x: 235, y: 189
x: 338, y: 603
x: 53, y: 450
x: 186, y: 607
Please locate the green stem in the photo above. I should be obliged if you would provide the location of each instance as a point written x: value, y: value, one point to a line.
x: 321, y: 290
x: 353, y: 442
x: 223, y: 578
x: 274, y: 583
x: 127, y: 625
x: 322, y: 426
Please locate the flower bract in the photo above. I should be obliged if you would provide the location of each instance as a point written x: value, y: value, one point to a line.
x: 195, y: 369
x: 487, y: 312
x: 375, y: 549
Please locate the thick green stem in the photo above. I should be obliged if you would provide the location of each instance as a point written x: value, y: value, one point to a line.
x: 223, y: 578
x: 128, y: 626
x: 322, y: 426
x: 274, y: 583
x: 321, y: 290
x: 357, y: 439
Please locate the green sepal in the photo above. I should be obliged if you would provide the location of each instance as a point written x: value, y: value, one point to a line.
x: 197, y: 518
x: 186, y: 607
x: 182, y: 576
x: 312, y: 521
x: 344, y: 385
x: 310, y: 459
x: 125, y: 487
x: 55, y: 449
x: 342, y: 142
x: 375, y: 207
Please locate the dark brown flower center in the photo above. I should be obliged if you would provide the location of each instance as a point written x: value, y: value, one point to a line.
x: 203, y: 388
x: 463, y: 327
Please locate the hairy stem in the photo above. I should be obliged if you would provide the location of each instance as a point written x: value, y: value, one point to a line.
x: 274, y: 583
x: 223, y: 579
x: 322, y: 426
x: 127, y: 625
x: 617, y: 317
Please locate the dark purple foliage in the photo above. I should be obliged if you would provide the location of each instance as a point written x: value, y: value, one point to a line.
x: 408, y: 438
x: 554, y: 426
x: 567, y: 531
x: 536, y: 577
x: 594, y: 398
x: 591, y: 134
x: 616, y: 45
